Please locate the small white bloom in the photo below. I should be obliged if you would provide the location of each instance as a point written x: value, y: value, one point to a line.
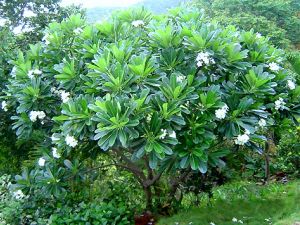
x: 137, y: 23
x: 41, y: 161
x: 180, y: 78
x: 291, y: 85
x: 247, y: 132
x: 78, y: 31
x: 274, y: 67
x: 242, y: 139
x: 34, y: 115
x: 262, y: 122
x: 164, y: 133
x: 172, y: 134
x: 4, y: 106
x: 46, y: 39
x: 221, y: 113
x: 41, y: 115
x: 258, y: 35
x: 279, y: 104
x: 234, y: 219
x: 211, y: 223
x: 240, y: 221
x: 18, y: 195
x: 204, y: 58
x: 37, y: 72
x: 65, y: 96
x: 55, y: 153
x: 71, y: 141
x: 30, y: 74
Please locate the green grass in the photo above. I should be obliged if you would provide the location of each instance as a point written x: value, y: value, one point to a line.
x: 280, y: 203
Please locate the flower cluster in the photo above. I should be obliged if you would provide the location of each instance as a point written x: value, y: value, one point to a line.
x: 242, y: 138
x: 164, y: 133
x: 4, y: 106
x: 291, y: 85
x: 78, y: 31
x: 204, y: 58
x: 221, y: 113
x: 274, y: 67
x: 31, y: 73
x: 65, y: 96
x: 180, y: 78
x: 18, y: 195
x: 41, y: 161
x: 71, y: 141
x: 262, y: 122
x: 55, y: 153
x: 34, y: 115
x: 235, y: 220
x: 138, y: 23
x: 279, y: 104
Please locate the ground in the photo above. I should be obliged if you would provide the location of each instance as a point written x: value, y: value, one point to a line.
x: 276, y: 204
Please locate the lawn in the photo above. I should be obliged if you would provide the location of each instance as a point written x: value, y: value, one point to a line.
x: 276, y: 204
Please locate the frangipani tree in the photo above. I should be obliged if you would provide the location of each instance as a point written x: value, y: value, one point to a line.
x: 156, y: 93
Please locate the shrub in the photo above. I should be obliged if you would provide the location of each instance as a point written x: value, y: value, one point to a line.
x: 158, y: 94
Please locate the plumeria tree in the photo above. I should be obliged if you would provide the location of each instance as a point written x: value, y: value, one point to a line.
x: 158, y: 94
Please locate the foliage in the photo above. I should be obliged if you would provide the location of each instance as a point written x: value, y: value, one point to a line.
x: 278, y: 19
x: 155, y: 93
x: 288, y: 159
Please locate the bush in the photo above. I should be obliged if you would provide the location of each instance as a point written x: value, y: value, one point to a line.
x: 160, y: 95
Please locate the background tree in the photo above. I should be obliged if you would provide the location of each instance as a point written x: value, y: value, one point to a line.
x: 21, y: 23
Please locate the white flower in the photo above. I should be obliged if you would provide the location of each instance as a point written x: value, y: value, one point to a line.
x: 291, y: 85
x: 78, y: 31
x: 221, y: 113
x: 41, y: 115
x: 34, y: 115
x: 240, y: 221
x: 18, y: 194
x: 71, y: 141
x: 13, y: 71
x: 274, y: 67
x: 30, y: 74
x: 53, y: 138
x: 164, y: 133
x: 258, y: 35
x: 37, y: 72
x: 41, y: 161
x: 180, y: 78
x: 46, y: 39
x: 172, y: 134
x: 4, y: 106
x: 279, y: 104
x: 242, y: 139
x: 204, y: 58
x: 65, y: 96
x: 211, y: 223
x: 247, y: 132
x: 137, y: 23
x: 262, y: 122
x: 55, y: 153
x: 234, y: 219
